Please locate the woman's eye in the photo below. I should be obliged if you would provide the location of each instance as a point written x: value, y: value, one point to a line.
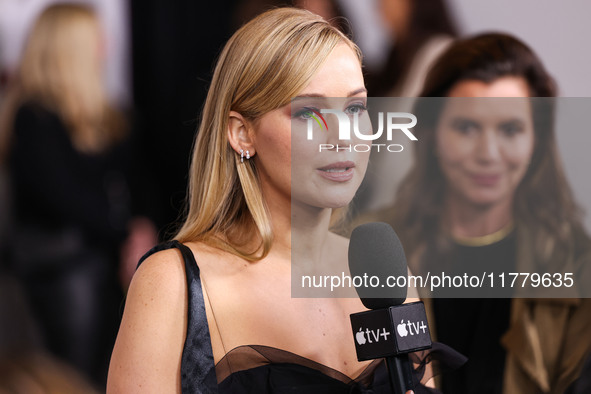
x: 356, y: 109
x: 464, y: 126
x: 304, y: 113
x: 511, y: 128
x: 307, y: 114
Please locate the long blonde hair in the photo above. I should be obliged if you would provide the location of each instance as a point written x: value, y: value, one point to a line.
x: 60, y: 69
x: 264, y: 64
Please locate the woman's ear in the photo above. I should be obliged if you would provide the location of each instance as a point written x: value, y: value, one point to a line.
x: 240, y: 135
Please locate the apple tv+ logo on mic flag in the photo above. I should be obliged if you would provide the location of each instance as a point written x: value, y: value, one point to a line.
x: 391, y: 331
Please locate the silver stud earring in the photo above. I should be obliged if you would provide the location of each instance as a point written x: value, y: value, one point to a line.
x: 247, y: 155
x: 241, y: 155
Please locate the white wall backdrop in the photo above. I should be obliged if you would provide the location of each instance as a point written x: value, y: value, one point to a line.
x: 559, y: 31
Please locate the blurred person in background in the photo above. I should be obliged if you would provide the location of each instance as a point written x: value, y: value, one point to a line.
x: 482, y: 193
x: 68, y: 156
x: 25, y: 366
x: 421, y: 30
x: 40, y: 374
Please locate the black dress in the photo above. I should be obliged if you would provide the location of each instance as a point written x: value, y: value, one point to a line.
x: 474, y: 326
x: 263, y: 369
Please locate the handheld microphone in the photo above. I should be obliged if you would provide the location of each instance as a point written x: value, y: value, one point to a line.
x: 390, y: 329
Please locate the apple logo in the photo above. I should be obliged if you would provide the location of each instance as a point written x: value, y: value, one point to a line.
x: 401, y: 328
x: 360, y: 337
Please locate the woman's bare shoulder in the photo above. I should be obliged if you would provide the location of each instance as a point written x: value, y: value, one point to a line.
x: 214, y: 262
x: 149, y: 345
x: 165, y: 262
x: 161, y: 275
x: 166, y: 268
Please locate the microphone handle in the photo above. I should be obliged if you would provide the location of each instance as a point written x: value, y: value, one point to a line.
x: 400, y: 373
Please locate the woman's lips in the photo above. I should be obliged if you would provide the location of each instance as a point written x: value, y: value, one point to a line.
x: 485, y: 180
x: 341, y: 171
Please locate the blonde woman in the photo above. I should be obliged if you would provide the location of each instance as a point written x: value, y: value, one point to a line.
x: 59, y: 142
x: 211, y: 311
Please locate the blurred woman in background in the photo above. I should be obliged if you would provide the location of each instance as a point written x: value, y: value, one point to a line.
x: 421, y: 30
x: 487, y: 190
x: 63, y: 146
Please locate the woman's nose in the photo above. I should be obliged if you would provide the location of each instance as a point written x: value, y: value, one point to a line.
x: 488, y: 148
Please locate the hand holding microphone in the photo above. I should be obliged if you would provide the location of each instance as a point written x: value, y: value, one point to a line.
x: 390, y: 329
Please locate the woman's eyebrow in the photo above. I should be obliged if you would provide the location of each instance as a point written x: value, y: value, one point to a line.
x: 352, y: 93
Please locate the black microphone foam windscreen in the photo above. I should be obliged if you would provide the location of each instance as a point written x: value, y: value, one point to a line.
x: 376, y: 255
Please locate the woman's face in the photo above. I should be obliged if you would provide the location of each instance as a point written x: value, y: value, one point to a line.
x: 484, y: 145
x: 291, y: 165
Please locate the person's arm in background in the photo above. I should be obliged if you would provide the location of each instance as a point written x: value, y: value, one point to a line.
x: 131, y: 157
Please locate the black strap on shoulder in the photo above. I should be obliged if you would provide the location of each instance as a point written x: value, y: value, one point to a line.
x: 197, y: 363
x: 156, y: 249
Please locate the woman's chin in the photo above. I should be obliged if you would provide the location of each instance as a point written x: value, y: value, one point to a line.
x: 328, y: 203
x: 484, y: 200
